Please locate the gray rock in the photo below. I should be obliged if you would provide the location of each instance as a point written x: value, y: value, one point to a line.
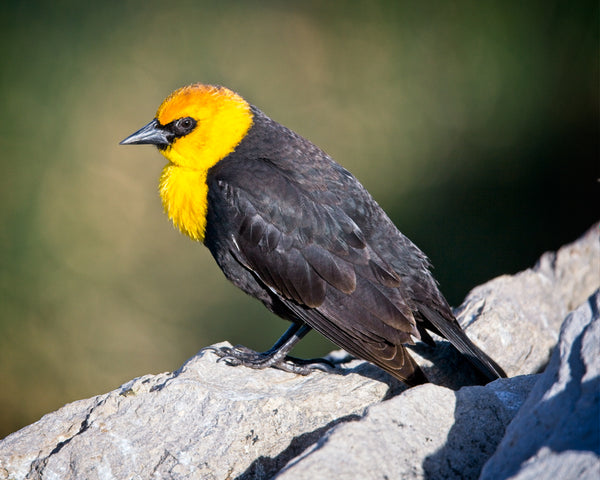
x: 558, y: 428
x: 427, y: 432
x: 207, y: 420
x: 568, y: 465
x: 211, y: 421
x: 516, y: 319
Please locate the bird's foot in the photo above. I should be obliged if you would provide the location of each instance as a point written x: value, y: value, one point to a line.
x: 240, y: 355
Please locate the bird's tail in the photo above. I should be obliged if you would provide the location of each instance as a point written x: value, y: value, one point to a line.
x: 414, y: 377
x: 452, y: 332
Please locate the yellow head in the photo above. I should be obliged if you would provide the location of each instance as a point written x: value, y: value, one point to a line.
x: 221, y: 119
x: 194, y: 128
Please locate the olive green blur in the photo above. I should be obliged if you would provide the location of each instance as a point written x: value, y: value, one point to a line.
x: 474, y: 124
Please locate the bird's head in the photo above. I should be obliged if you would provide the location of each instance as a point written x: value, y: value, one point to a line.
x: 196, y: 126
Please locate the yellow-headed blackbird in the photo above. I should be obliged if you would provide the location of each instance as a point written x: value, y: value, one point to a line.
x: 292, y: 228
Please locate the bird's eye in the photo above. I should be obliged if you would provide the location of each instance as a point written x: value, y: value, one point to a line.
x: 183, y: 126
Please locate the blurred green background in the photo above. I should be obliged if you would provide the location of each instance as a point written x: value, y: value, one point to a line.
x: 474, y: 124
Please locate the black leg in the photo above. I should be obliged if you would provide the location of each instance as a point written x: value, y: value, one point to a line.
x: 276, y: 356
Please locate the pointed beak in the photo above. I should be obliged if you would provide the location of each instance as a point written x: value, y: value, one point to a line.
x: 152, y: 134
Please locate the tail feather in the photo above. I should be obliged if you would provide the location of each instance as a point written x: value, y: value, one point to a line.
x: 413, y: 375
x: 452, y: 332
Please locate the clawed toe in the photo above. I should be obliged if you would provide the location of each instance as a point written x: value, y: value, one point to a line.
x: 240, y: 355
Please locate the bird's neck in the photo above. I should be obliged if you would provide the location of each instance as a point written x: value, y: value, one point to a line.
x: 184, y: 196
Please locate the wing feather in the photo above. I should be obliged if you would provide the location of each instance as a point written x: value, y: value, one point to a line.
x: 316, y: 255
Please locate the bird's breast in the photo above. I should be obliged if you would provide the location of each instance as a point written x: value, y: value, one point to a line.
x: 184, y: 195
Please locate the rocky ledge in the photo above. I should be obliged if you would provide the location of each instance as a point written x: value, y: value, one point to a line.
x: 211, y: 421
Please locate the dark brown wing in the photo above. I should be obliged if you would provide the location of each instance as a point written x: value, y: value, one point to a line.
x: 306, y: 248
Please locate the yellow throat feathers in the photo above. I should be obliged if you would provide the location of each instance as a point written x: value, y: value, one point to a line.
x: 223, y: 119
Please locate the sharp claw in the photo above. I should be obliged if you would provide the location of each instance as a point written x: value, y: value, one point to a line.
x: 240, y: 355
x: 234, y: 362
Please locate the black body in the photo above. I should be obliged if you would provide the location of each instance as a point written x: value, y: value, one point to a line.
x: 294, y: 229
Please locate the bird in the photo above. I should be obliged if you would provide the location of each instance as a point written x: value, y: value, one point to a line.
x: 294, y: 229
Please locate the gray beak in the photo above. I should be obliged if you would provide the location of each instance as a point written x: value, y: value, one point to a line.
x: 151, y: 134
